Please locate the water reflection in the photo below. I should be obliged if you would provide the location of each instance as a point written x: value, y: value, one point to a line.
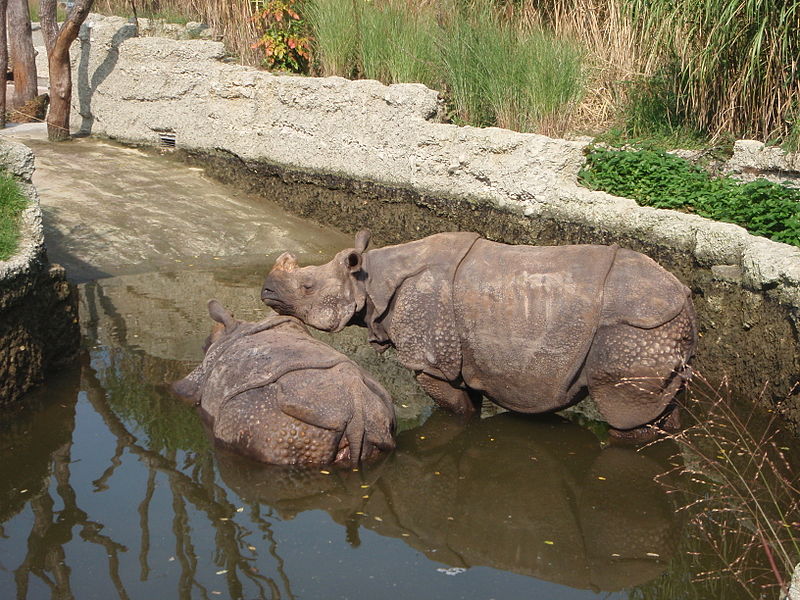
x: 532, y: 496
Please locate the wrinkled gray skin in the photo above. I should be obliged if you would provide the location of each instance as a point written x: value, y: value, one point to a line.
x: 530, y: 327
x: 271, y: 391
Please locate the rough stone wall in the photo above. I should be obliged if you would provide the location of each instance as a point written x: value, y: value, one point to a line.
x: 753, y: 159
x: 38, y: 308
x: 359, y: 153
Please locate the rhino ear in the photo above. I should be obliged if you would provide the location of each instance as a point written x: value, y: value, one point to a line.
x: 353, y: 261
x: 220, y: 314
x: 362, y: 240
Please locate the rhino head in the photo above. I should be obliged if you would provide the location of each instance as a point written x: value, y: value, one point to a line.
x: 326, y: 296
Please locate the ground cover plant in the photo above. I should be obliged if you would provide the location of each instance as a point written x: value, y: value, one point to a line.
x: 661, y: 180
x: 12, y: 203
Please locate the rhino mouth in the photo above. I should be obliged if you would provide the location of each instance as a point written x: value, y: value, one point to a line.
x: 271, y: 299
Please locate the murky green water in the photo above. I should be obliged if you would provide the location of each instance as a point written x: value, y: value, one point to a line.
x: 110, y: 487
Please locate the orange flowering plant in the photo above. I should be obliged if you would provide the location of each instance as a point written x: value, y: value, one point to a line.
x: 285, y: 40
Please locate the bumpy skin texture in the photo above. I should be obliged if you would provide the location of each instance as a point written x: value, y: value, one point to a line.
x: 270, y: 391
x: 529, y: 327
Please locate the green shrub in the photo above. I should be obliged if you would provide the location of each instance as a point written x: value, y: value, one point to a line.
x: 661, y: 180
x: 12, y: 203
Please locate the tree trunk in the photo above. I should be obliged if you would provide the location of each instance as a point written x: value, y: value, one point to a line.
x: 22, y: 54
x: 60, y: 93
x: 58, y: 42
x: 3, y: 62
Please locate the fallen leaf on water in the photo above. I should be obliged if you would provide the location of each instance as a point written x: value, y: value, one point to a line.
x: 222, y: 571
x: 601, y: 478
x: 361, y: 513
x: 240, y: 509
x: 23, y: 491
x: 406, y: 534
x: 216, y: 593
x: 653, y: 555
x: 251, y: 547
x: 615, y: 554
x: 364, y: 486
x: 549, y: 542
x: 365, y: 497
x: 422, y: 437
x: 224, y: 519
x: 325, y: 472
x: 378, y: 519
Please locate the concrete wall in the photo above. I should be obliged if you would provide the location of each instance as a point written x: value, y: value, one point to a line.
x: 38, y: 308
x: 359, y: 153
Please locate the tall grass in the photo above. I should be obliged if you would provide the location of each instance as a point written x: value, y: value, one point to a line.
x: 494, y: 71
x: 736, y: 61
x: 742, y: 490
x: 12, y: 203
x: 508, y: 74
x: 335, y: 35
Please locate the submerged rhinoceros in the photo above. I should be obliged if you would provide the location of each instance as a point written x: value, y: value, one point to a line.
x: 271, y: 391
x: 529, y: 327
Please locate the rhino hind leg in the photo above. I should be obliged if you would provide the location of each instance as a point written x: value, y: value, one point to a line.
x: 634, y: 374
x: 252, y: 424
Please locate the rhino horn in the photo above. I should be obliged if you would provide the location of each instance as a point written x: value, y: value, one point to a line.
x: 286, y: 262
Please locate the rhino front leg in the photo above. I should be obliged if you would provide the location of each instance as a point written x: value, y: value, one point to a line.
x: 449, y: 397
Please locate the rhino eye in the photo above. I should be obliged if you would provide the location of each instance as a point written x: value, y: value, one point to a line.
x: 307, y: 285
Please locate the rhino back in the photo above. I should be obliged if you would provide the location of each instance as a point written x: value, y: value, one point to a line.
x: 256, y: 359
x: 526, y: 316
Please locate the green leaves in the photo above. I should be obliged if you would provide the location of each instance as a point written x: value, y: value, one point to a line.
x: 12, y: 203
x: 662, y: 180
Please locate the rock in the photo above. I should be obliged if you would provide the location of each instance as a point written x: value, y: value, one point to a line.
x: 753, y: 160
x: 794, y: 587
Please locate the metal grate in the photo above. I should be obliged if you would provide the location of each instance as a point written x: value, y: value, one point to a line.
x: 168, y: 140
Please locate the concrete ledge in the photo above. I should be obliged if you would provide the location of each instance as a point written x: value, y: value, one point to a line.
x: 38, y: 308
x: 355, y: 153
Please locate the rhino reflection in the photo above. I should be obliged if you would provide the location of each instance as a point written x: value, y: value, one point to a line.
x: 539, y: 498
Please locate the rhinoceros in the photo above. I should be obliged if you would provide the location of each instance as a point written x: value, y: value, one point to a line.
x: 529, y: 327
x: 271, y: 391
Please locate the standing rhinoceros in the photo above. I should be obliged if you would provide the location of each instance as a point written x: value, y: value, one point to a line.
x: 529, y: 327
x: 271, y: 391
